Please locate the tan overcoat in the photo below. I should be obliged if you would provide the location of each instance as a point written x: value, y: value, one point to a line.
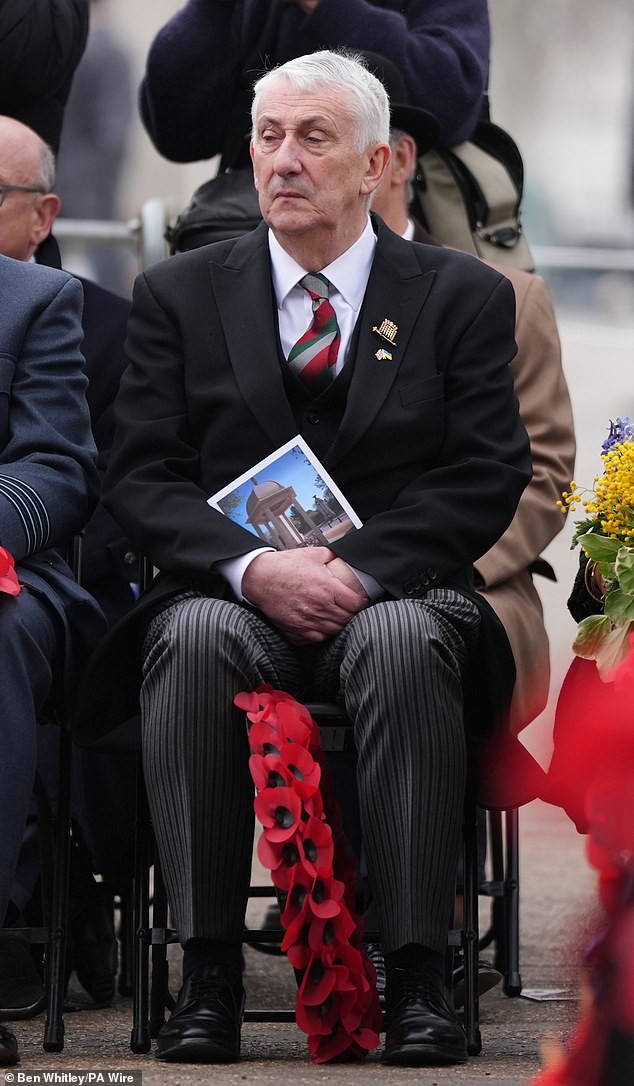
x: 546, y: 411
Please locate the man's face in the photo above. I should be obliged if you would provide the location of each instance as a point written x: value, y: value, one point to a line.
x: 25, y: 217
x: 19, y: 216
x: 309, y: 177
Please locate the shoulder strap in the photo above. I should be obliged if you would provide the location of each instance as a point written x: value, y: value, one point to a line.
x: 253, y: 65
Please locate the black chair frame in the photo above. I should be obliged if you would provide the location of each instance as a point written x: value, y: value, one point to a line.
x: 152, y: 937
x: 55, y: 837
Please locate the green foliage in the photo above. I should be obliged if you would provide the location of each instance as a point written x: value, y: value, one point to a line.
x: 600, y: 548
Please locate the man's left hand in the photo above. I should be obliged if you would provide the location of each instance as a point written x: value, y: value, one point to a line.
x: 344, y: 573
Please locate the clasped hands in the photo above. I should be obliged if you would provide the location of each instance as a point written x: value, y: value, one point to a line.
x: 309, y: 593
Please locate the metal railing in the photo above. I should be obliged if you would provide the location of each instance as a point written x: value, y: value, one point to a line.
x: 145, y: 235
x: 586, y: 258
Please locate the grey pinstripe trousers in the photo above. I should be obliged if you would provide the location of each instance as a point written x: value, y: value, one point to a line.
x: 398, y: 668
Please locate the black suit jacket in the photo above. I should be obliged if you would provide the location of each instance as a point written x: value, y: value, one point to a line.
x: 108, y: 562
x: 430, y: 451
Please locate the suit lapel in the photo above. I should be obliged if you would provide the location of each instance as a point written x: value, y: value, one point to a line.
x: 397, y: 290
x: 244, y: 294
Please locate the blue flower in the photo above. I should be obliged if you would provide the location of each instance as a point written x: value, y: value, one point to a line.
x: 621, y: 430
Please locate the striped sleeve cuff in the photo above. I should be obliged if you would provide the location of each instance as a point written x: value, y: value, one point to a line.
x: 30, y: 510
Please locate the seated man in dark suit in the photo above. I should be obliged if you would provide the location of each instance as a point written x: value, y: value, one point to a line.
x: 48, y: 487
x: 420, y: 431
x: 26, y: 234
x: 26, y: 220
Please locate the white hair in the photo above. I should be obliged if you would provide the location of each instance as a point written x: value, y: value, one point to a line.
x: 46, y: 168
x: 366, y: 96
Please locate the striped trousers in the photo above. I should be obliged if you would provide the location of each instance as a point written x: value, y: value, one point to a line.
x: 398, y: 668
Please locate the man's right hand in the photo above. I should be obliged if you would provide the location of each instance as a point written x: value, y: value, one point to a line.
x: 297, y: 592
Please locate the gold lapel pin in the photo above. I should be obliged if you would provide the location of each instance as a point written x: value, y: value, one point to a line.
x: 387, y: 330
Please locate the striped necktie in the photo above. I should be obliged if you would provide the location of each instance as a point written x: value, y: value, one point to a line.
x: 314, y: 355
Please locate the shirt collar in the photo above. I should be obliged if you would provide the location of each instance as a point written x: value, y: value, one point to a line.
x: 348, y: 274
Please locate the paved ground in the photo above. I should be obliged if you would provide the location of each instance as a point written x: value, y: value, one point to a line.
x: 557, y: 903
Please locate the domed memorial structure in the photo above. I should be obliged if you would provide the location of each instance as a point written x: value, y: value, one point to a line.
x: 278, y: 517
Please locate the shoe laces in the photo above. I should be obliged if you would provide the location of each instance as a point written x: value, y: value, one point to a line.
x: 419, y: 986
x: 204, y: 989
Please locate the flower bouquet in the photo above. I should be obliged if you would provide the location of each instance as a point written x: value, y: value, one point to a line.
x: 606, y: 536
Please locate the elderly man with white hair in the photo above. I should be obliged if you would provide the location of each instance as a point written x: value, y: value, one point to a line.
x: 403, y: 390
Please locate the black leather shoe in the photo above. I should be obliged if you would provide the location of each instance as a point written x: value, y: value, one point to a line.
x: 8, y: 1048
x: 94, y: 945
x: 21, y: 992
x: 488, y: 977
x: 421, y: 1028
x: 205, y: 1024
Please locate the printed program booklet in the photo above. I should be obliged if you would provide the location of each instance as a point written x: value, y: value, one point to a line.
x: 288, y: 500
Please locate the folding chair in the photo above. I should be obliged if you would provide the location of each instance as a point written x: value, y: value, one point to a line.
x: 54, y: 831
x: 150, y: 1002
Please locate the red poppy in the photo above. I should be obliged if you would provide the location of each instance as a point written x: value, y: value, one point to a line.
x: 279, y: 857
x: 336, y: 1045
x: 293, y: 725
x: 9, y: 584
x: 247, y: 700
x: 351, y: 959
x: 295, y: 928
x: 300, y: 885
x: 264, y: 739
x: 317, y: 983
x: 299, y: 953
x: 279, y: 810
x: 327, y: 933
x: 317, y: 1020
x: 268, y: 771
x: 325, y: 895
x: 313, y: 806
x: 302, y: 767
x: 315, y: 840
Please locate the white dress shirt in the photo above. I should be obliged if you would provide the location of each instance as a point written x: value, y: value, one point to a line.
x: 348, y: 276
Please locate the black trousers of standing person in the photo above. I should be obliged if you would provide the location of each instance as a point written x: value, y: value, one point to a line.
x: 399, y: 670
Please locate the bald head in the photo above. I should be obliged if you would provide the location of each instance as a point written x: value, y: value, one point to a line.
x: 26, y: 217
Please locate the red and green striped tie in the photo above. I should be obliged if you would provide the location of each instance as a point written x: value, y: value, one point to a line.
x: 314, y: 355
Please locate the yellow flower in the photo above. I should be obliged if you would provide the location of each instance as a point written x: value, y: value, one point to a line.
x: 612, y: 499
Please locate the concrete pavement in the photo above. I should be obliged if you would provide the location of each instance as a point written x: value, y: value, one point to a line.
x: 557, y: 904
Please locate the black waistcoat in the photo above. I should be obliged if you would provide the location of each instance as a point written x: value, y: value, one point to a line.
x: 319, y: 417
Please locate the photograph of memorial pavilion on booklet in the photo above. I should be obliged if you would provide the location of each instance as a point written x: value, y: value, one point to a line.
x: 288, y: 500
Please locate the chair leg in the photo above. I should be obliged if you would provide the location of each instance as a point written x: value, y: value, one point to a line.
x: 498, y: 905
x: 159, y: 989
x: 56, y: 953
x: 125, y: 986
x: 470, y: 931
x: 140, y: 1036
x: 512, y: 978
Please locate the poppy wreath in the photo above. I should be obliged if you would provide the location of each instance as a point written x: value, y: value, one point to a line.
x: 9, y: 584
x: 304, y: 847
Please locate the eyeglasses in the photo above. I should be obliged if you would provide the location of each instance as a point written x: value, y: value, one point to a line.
x: 4, y: 189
